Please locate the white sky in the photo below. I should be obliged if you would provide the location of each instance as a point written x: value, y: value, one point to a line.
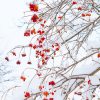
x: 11, y: 12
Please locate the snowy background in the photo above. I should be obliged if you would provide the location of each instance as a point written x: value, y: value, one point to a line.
x: 11, y: 35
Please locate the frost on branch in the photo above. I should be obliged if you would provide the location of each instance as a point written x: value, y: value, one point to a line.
x: 60, y: 51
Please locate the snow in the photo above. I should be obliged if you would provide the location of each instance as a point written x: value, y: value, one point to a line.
x: 11, y: 35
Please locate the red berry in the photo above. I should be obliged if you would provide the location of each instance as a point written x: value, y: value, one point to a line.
x: 33, y: 7
x: 6, y: 58
x: 34, y: 18
x: 79, y: 8
x: 23, y: 78
x: 93, y: 95
x: 40, y: 46
x: 83, y: 15
x: 41, y: 87
x: 29, y: 62
x: 74, y: 2
x: 40, y: 19
x: 98, y: 55
x: 46, y: 58
x: 42, y: 25
x: 39, y: 31
x: 79, y: 93
x: 27, y: 33
x: 75, y: 92
x: 43, y: 62
x: 33, y: 31
x: 88, y: 14
x: 42, y: 55
x: 42, y: 38
x: 30, y: 45
x: 39, y: 74
x: 40, y: 41
x: 57, y: 49
x: 14, y: 53
x: 52, y: 93
x: 45, y: 99
x: 52, y: 83
x: 23, y: 55
x: 81, y: 87
x: 45, y: 93
x: 34, y: 46
x: 51, y: 99
x: 42, y: 31
x: 89, y: 81
x: 47, y: 50
x: 18, y: 62
x: 44, y: 21
x: 27, y: 95
x: 60, y: 17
